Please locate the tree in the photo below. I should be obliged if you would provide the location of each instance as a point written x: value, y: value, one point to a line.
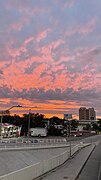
x: 95, y: 127
x: 74, y: 124
x: 88, y: 127
x: 38, y: 120
x: 54, y: 128
x: 55, y: 121
x: 24, y: 129
x: 99, y: 124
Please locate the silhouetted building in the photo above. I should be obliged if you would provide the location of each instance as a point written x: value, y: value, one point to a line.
x: 87, y: 114
x: 92, y: 114
x: 82, y: 113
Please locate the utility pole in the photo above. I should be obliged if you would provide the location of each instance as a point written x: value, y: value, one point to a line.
x: 29, y: 118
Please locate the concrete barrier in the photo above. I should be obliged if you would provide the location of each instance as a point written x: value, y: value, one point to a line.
x: 36, y: 170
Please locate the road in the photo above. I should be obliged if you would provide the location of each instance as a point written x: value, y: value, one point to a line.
x: 92, y: 167
x: 14, y: 160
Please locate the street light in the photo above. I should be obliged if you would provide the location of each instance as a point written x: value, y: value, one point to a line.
x: 29, y: 117
x: 5, y: 112
x: 68, y: 117
x: 29, y: 122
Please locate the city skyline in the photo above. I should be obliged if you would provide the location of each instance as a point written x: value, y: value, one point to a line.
x: 50, y: 56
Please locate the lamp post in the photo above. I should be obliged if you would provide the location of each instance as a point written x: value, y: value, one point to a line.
x: 29, y: 117
x: 68, y: 117
x: 29, y: 122
x: 70, y: 136
x: 5, y: 112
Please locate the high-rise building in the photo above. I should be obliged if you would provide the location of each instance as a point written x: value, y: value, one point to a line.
x: 82, y: 113
x: 87, y: 114
x: 92, y: 114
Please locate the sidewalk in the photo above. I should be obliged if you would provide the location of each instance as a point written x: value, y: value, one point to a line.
x: 70, y: 169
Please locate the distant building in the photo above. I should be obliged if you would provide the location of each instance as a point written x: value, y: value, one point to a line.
x: 92, y: 114
x: 82, y: 113
x: 87, y: 114
x: 9, y: 130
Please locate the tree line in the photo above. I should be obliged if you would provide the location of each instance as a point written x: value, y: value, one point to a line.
x: 55, y: 125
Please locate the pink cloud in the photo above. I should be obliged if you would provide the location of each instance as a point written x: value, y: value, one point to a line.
x: 14, y: 76
x: 14, y: 52
x: 65, y: 4
x: 69, y: 4
x: 26, y: 7
x: 19, y: 25
x: 46, y: 51
x: 63, y: 80
x: 28, y: 40
x: 42, y: 35
x: 82, y: 29
x: 87, y: 28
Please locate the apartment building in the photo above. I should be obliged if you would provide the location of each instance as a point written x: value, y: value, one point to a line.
x: 82, y: 113
x: 87, y: 114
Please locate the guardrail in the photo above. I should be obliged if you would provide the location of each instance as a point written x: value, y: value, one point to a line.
x: 28, y: 142
x: 38, y: 169
x: 33, y: 140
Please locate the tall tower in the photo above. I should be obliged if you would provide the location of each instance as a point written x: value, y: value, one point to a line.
x: 82, y: 113
x: 92, y: 114
x: 87, y: 114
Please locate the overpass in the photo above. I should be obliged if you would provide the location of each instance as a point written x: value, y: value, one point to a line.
x: 30, y: 163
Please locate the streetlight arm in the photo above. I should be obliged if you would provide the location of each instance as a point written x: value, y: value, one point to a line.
x: 13, y: 107
x: 7, y: 110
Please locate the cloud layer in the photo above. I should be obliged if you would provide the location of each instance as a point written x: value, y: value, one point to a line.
x: 50, y: 55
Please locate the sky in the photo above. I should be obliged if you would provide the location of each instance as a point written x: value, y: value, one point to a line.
x: 50, y: 56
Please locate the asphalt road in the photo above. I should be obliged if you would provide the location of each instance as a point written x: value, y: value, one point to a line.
x: 14, y: 160
x: 91, y: 168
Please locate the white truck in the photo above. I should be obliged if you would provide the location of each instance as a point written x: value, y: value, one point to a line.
x: 38, y: 132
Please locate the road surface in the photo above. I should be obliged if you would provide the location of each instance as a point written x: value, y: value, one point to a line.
x: 92, y: 167
x: 14, y: 160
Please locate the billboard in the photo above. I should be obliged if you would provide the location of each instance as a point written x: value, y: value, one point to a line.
x: 67, y: 116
